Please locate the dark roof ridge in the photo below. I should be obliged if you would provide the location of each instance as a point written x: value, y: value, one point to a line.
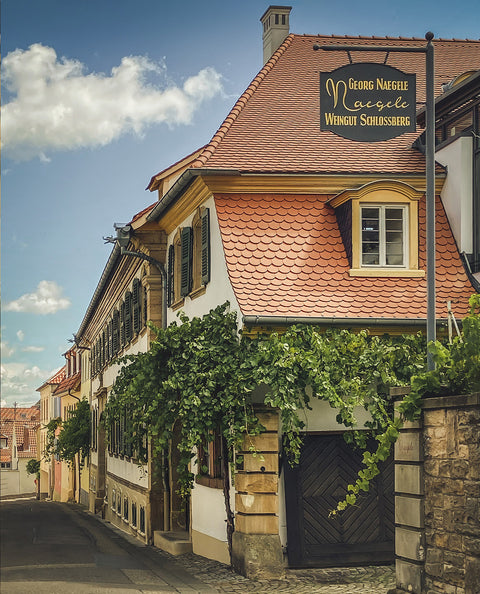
x: 237, y: 108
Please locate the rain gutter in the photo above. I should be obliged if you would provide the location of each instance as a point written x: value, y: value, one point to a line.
x: 107, y: 271
x: 321, y: 321
x: 182, y: 183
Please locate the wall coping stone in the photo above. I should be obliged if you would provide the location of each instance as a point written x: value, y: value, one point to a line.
x: 461, y: 401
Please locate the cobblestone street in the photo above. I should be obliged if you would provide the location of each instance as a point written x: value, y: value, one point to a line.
x: 53, y: 548
x: 325, y: 581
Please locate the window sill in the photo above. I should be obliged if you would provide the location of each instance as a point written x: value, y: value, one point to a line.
x: 197, y: 292
x: 178, y: 304
x: 387, y: 272
x: 208, y: 481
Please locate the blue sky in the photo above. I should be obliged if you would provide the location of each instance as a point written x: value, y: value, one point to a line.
x: 98, y: 96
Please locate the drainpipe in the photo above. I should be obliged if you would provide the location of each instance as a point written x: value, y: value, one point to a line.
x: 124, y: 233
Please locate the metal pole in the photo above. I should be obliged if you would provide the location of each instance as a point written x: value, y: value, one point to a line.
x: 430, y: 165
x: 430, y: 195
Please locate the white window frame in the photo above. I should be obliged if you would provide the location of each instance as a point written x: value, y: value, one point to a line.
x: 382, y: 238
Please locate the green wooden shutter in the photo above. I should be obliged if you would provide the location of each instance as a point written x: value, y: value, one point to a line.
x: 102, y: 350
x: 110, y: 340
x: 186, y: 280
x: 122, y: 324
x: 205, y: 246
x: 97, y: 356
x: 128, y: 317
x: 136, y: 305
x: 92, y: 359
x: 171, y: 275
x: 116, y: 332
x: 145, y: 306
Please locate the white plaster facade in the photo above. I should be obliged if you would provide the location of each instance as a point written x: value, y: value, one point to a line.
x: 457, y: 193
x: 219, y: 289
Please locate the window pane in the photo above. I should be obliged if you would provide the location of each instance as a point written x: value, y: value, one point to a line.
x: 370, y: 259
x: 371, y: 236
x: 394, y: 236
x: 393, y: 213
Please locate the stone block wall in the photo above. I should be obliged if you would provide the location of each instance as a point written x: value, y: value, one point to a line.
x: 452, y: 494
x: 437, y: 486
x: 256, y: 547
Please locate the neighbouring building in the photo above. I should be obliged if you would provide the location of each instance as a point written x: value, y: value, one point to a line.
x: 59, y: 395
x: 128, y: 294
x: 50, y: 408
x: 18, y: 444
x: 289, y: 224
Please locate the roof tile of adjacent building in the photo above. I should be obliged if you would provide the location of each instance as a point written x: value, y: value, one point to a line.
x: 56, y: 378
x: 26, y: 423
x: 68, y: 383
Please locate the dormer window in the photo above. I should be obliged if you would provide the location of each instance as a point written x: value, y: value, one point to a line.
x: 384, y: 235
x: 379, y: 227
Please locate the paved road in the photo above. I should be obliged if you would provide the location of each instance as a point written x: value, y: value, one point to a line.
x: 52, y: 548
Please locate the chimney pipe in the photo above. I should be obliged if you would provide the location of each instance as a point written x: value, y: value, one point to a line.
x: 276, y: 27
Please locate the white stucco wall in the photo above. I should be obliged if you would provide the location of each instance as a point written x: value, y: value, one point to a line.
x: 129, y: 471
x: 219, y: 288
x: 208, y: 505
x: 124, y: 469
x: 17, y: 482
x: 457, y: 192
x: 208, y: 512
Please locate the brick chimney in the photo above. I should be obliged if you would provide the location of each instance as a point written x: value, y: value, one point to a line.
x: 275, y: 21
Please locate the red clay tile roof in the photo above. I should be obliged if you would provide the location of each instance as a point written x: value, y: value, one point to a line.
x: 31, y: 413
x: 274, y: 126
x: 56, y: 378
x: 142, y: 212
x: 68, y: 383
x: 153, y: 183
x: 285, y: 257
x: 23, y: 428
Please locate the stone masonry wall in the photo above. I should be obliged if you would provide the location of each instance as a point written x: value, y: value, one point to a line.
x: 451, y: 441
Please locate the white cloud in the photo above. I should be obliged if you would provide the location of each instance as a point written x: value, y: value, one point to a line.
x: 47, y: 299
x: 20, y: 335
x: 33, y: 349
x: 19, y: 383
x: 7, y: 350
x: 57, y: 105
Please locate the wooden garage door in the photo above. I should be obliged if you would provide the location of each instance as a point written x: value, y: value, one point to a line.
x: 363, y: 534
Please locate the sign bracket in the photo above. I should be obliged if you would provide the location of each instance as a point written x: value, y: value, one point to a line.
x: 428, y: 50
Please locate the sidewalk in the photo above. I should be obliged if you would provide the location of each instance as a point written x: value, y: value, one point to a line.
x: 217, y: 577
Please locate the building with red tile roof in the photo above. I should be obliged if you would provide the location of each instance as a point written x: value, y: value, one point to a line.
x: 273, y: 174
x: 291, y: 223
x: 303, y: 221
x: 18, y: 429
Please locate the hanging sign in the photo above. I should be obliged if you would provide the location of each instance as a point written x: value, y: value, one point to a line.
x: 367, y: 102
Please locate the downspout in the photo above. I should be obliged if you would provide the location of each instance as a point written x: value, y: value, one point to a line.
x: 161, y: 268
x: 69, y: 392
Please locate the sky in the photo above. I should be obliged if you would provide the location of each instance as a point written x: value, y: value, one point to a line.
x: 100, y: 95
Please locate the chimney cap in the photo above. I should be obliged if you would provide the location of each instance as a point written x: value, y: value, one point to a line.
x: 275, y: 7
